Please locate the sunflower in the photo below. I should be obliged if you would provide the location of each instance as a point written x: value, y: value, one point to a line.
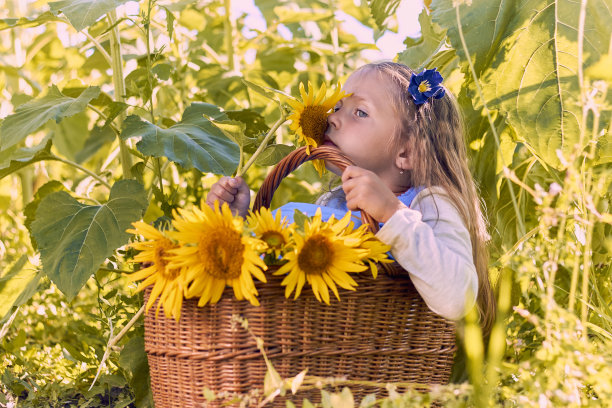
x: 363, y: 238
x: 215, y: 253
x: 377, y: 252
x: 322, y: 258
x: 168, y: 281
x: 273, y: 231
x: 309, y: 117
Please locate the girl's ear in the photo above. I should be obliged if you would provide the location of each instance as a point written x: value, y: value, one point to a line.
x: 404, y: 158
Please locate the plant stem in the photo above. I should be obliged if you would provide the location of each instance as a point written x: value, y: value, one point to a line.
x: 230, y: 29
x: 113, y: 340
x: 334, y: 37
x: 586, y: 265
x: 119, y: 85
x: 99, y: 47
x: 103, y: 116
x: 491, y: 123
x: 83, y: 169
x: 263, y: 145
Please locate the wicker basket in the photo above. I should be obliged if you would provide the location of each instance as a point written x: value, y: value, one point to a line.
x: 381, y: 332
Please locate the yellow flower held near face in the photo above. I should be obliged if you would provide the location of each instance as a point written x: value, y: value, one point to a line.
x: 215, y: 253
x: 271, y: 230
x: 322, y: 258
x: 309, y: 117
x: 168, y: 281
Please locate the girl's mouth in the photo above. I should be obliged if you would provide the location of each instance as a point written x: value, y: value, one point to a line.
x: 328, y: 142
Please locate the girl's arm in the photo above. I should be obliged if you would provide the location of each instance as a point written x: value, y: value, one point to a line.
x: 234, y: 192
x: 431, y: 242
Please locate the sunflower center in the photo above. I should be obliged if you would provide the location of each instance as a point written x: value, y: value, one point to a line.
x: 316, y: 255
x: 424, y: 86
x: 313, y: 121
x: 161, y: 251
x: 274, y: 239
x: 221, y: 252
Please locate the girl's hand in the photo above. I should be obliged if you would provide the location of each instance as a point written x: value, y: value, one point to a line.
x: 365, y: 191
x: 233, y: 191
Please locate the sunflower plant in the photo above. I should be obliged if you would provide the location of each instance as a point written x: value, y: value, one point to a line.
x: 208, y: 249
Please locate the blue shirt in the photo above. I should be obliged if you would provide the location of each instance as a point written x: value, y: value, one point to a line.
x: 337, y: 206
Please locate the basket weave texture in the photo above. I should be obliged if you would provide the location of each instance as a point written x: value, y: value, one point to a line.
x: 381, y: 332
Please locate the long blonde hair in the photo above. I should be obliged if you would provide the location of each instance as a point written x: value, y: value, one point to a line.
x: 434, y: 131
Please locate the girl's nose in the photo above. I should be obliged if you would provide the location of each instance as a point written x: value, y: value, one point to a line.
x: 333, y: 120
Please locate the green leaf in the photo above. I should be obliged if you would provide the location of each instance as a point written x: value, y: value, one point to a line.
x: 74, y: 239
x: 30, y: 209
x: 194, y: 142
x: 255, y: 123
x: 526, y: 56
x: 169, y: 21
x: 235, y: 131
x: 134, y: 359
x: 162, y: 71
x: 381, y: 11
x: 70, y: 134
x: 83, y: 13
x: 14, y: 159
x: 263, y: 90
x: 273, y: 154
x: 420, y: 52
x: 288, y: 14
x: 17, y: 286
x: 98, y: 137
x: 26, y: 22
x: 30, y: 116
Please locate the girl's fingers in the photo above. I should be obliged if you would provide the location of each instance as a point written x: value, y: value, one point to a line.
x: 227, y: 184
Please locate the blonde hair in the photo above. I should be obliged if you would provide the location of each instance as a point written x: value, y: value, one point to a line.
x: 435, y: 133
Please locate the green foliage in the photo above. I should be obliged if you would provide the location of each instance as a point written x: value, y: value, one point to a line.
x: 74, y: 239
x: 526, y: 55
x: 32, y: 115
x: 83, y: 13
x: 194, y: 142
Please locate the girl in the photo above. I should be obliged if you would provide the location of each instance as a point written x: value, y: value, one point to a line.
x: 404, y: 133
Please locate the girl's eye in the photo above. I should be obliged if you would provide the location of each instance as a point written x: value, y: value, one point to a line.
x: 336, y: 108
x: 361, y: 113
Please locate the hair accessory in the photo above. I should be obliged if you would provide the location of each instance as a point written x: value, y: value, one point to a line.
x: 426, y: 85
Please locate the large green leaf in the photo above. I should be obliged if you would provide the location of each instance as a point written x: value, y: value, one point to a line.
x: 74, y: 238
x: 419, y: 53
x: 83, y: 13
x: 30, y: 210
x: 32, y: 115
x: 70, y: 134
x: 193, y: 142
x: 14, y: 159
x: 525, y: 53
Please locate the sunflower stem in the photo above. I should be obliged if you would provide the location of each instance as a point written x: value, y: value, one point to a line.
x: 263, y: 144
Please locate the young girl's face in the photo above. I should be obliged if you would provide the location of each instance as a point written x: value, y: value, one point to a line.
x: 363, y: 124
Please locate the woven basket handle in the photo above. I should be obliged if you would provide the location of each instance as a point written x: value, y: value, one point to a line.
x: 291, y: 162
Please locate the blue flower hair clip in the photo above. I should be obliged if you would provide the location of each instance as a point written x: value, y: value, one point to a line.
x: 426, y: 85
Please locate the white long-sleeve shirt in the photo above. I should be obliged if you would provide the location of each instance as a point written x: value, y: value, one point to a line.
x: 431, y: 242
